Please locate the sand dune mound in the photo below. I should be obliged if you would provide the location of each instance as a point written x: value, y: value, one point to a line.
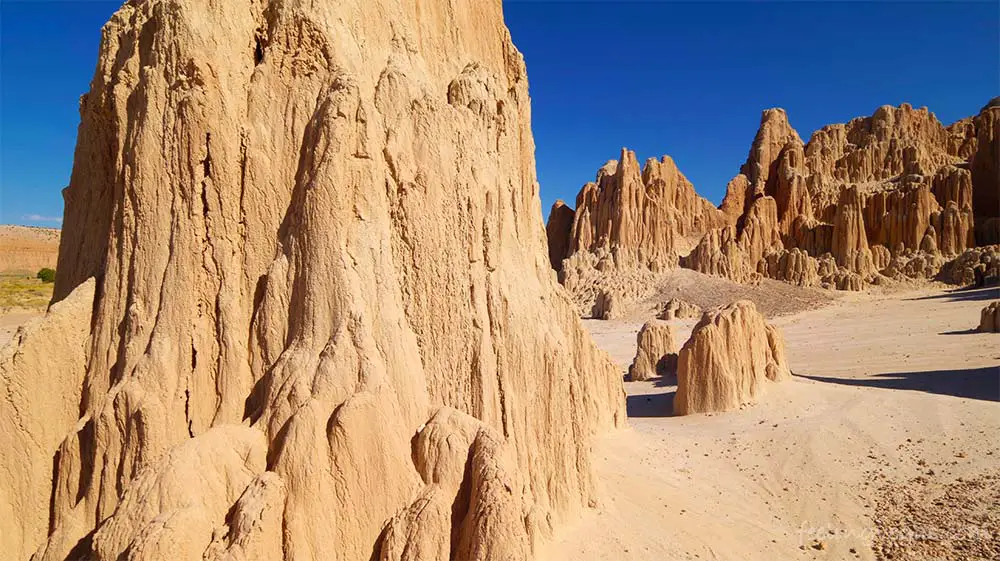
x: 728, y: 361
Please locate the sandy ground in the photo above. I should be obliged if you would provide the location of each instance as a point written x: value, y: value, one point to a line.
x: 893, y: 395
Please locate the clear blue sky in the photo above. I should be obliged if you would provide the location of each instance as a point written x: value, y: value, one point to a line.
x: 685, y: 79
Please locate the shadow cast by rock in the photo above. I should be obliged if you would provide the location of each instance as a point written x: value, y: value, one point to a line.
x: 971, y: 331
x: 964, y: 295
x: 973, y: 383
x: 650, y: 405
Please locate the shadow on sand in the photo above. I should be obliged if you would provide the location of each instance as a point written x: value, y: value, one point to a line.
x: 651, y: 405
x: 972, y: 331
x: 964, y: 294
x: 972, y: 383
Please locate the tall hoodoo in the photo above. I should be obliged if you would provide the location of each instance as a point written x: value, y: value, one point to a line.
x: 314, y: 229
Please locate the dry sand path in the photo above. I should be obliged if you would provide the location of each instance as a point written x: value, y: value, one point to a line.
x: 887, y: 389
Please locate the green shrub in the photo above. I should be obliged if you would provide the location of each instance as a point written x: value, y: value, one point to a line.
x: 47, y: 275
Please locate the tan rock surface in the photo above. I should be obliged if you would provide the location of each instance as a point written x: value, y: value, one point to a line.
x: 656, y: 352
x: 41, y: 376
x: 897, y: 179
x: 850, y: 243
x: 676, y: 308
x: 640, y: 218
x: 794, y: 266
x: 731, y: 355
x: 322, y: 221
x: 989, y: 318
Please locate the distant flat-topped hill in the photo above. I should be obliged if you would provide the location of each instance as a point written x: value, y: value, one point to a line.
x: 27, y: 248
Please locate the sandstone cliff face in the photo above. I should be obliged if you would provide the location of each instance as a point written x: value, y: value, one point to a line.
x: 26, y: 249
x: 898, y: 180
x: 730, y: 358
x: 628, y: 225
x: 315, y: 232
x: 639, y: 218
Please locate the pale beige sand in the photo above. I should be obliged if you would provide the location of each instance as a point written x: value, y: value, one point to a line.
x: 888, y: 387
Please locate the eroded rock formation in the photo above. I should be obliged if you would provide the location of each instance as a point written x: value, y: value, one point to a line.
x: 675, y: 308
x: 315, y: 233
x: 894, y: 195
x: 897, y: 183
x: 628, y: 220
x: 975, y: 266
x: 656, y: 352
x: 989, y: 318
x: 730, y: 358
x: 557, y: 232
x: 640, y: 217
x: 41, y: 378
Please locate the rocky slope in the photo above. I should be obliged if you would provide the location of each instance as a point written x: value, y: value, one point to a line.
x: 324, y: 324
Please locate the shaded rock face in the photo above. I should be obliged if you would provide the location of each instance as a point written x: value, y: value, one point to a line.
x: 985, y: 168
x: 989, y: 318
x: 975, y: 266
x: 898, y: 179
x: 728, y: 361
x: 557, y: 231
x: 656, y: 352
x: 315, y: 229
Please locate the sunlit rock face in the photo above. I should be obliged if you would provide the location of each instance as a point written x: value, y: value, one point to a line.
x: 323, y: 323
x: 898, y: 182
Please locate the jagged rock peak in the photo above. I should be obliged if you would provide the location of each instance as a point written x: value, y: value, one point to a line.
x: 639, y: 217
